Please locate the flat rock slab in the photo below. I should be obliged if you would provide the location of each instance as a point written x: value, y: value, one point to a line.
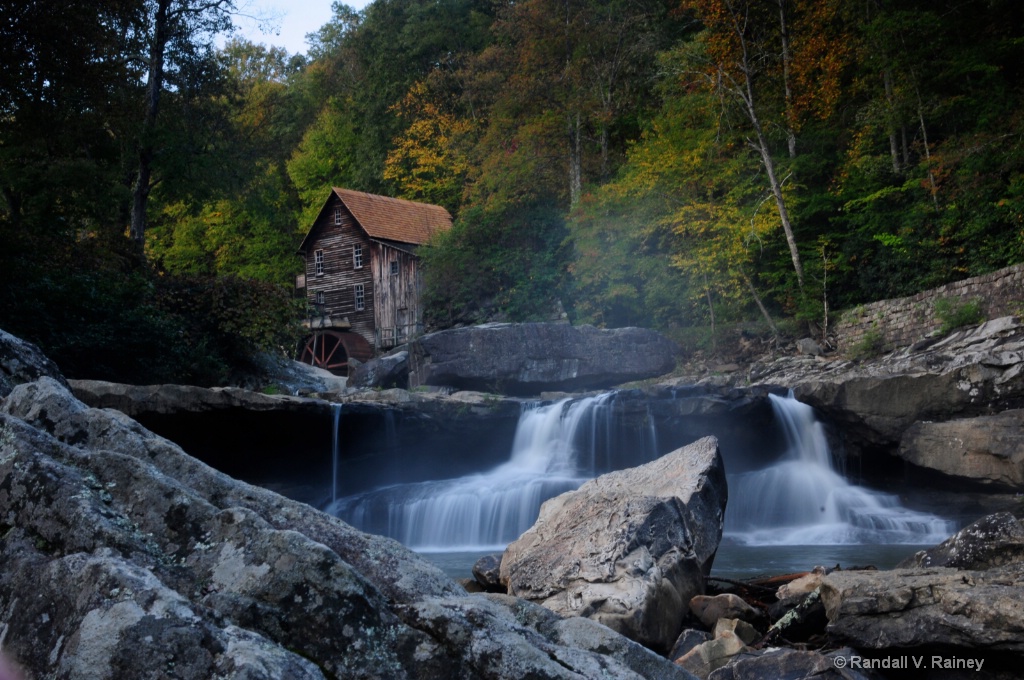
x: 985, y: 449
x: 905, y: 608
x: 628, y: 549
x: 138, y: 400
x: 529, y: 358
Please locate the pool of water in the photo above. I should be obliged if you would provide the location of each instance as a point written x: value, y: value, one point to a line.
x: 742, y: 562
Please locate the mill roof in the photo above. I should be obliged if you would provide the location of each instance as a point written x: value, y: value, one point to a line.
x: 390, y: 219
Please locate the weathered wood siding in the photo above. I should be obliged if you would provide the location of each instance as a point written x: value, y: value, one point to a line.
x: 396, y: 296
x: 340, y: 275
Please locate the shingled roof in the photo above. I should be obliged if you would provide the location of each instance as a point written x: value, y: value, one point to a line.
x: 392, y: 219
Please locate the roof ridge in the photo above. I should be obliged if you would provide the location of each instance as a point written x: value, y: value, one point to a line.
x: 390, y: 198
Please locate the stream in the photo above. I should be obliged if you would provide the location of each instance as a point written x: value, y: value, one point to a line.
x: 789, y: 514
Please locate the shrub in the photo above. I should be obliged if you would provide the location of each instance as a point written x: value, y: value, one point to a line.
x: 953, y: 315
x: 869, y: 345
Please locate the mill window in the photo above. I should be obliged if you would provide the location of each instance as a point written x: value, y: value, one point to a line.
x: 394, y: 267
x: 360, y: 297
x: 318, y: 262
x: 357, y: 257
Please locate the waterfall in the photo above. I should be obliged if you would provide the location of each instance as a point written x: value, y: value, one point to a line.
x: 556, y: 448
x: 335, y: 450
x: 802, y: 500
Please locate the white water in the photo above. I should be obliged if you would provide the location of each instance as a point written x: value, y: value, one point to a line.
x: 798, y: 501
x: 335, y: 451
x: 556, y: 448
x: 802, y: 500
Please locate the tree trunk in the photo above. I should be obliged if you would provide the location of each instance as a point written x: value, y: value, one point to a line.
x: 927, y: 154
x: 154, y: 86
x: 760, y: 304
x: 786, y: 60
x: 780, y: 201
x: 575, y: 160
x: 891, y: 123
x: 711, y: 312
x: 746, y: 94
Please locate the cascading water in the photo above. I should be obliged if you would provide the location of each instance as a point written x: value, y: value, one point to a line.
x: 335, y: 450
x: 556, y: 448
x: 801, y: 500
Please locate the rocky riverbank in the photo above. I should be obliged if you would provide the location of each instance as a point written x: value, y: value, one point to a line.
x: 144, y: 562
x: 125, y: 557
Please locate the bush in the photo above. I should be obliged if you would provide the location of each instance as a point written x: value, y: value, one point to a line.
x: 870, y: 345
x: 101, y: 313
x: 953, y: 315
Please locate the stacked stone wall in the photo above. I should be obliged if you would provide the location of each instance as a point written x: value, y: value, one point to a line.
x: 888, y: 324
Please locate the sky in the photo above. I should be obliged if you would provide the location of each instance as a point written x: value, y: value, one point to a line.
x: 284, y: 23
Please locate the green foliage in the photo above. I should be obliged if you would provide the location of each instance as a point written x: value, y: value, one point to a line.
x: 100, y: 313
x: 604, y: 153
x: 957, y: 314
x: 495, y: 261
x: 870, y: 345
x: 325, y: 158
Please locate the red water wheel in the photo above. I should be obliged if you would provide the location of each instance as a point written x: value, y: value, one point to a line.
x: 331, y: 350
x: 326, y: 349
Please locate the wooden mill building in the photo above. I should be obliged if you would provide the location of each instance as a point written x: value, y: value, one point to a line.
x: 362, y: 275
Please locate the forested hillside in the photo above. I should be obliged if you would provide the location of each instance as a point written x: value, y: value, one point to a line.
x: 666, y: 163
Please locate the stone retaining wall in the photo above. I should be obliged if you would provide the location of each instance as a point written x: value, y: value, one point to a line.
x: 887, y: 324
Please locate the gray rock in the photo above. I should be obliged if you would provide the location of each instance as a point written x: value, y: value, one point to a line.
x: 791, y: 664
x: 986, y: 449
x: 741, y: 629
x: 992, y: 541
x: 687, y: 640
x: 972, y: 372
x: 710, y: 608
x: 628, y: 549
x: 384, y: 372
x: 22, y: 362
x: 124, y: 557
x: 709, y: 656
x: 906, y: 608
x: 494, y: 634
x: 487, y: 572
x: 530, y: 358
x: 140, y: 400
x: 809, y: 346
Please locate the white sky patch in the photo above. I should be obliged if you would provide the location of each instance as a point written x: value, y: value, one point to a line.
x: 284, y: 23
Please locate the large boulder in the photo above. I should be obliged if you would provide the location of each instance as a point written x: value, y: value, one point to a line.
x: 987, y: 449
x: 628, y: 549
x: 530, y: 358
x: 935, y: 607
x: 992, y: 541
x: 124, y: 557
x: 384, y: 372
x: 22, y: 362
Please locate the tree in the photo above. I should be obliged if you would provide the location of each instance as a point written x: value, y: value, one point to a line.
x: 178, y: 32
x: 757, y: 56
x: 430, y: 160
x: 580, y: 75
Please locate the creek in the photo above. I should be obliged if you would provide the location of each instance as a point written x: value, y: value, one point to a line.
x: 789, y: 507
